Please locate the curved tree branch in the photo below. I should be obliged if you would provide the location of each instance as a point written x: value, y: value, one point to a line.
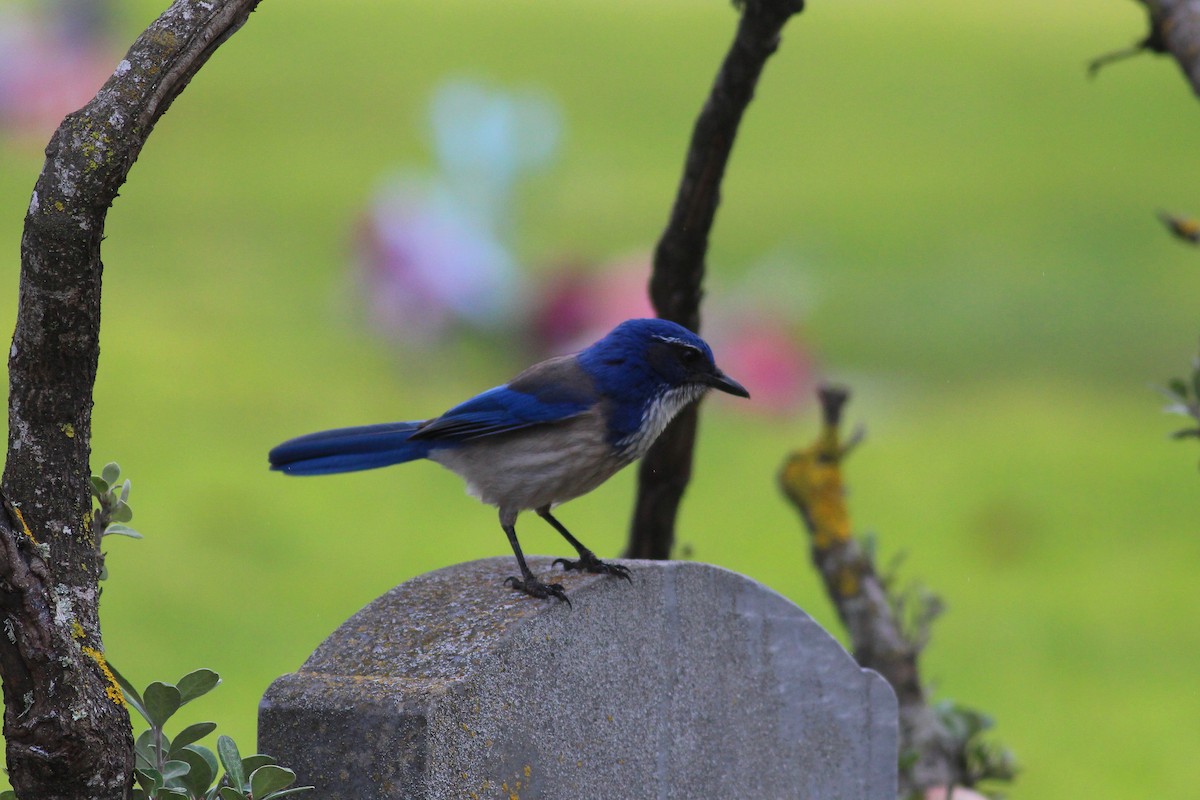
x: 676, y: 282
x: 888, y: 629
x: 812, y: 479
x: 1175, y: 28
x: 65, y: 723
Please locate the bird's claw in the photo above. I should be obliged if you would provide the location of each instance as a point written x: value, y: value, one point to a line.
x: 535, y: 588
x: 589, y: 563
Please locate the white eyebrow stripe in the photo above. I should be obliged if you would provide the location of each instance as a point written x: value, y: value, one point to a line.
x: 677, y: 340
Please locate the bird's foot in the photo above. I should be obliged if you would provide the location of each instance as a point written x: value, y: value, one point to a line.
x: 535, y: 588
x: 589, y: 563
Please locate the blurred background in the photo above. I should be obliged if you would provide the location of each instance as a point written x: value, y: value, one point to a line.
x: 362, y: 212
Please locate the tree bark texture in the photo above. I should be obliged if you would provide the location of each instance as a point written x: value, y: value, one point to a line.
x: 676, y: 283
x: 65, y: 721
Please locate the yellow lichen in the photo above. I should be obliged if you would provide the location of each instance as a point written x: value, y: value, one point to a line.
x: 812, y: 479
x: 21, y: 519
x: 68, y: 429
x: 113, y: 690
x: 77, y: 630
x: 163, y: 38
x: 847, y: 583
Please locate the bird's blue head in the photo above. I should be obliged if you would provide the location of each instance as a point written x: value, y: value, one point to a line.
x: 649, y: 370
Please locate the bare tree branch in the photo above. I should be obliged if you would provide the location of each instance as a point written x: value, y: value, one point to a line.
x: 1175, y: 28
x: 65, y: 723
x: 812, y: 479
x: 676, y: 282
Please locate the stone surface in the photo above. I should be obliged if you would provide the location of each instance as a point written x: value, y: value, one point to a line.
x: 691, y: 682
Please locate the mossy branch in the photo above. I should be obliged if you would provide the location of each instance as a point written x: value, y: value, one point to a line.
x: 66, y: 735
x: 888, y: 628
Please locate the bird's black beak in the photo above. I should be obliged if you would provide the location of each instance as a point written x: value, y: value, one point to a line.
x: 719, y: 380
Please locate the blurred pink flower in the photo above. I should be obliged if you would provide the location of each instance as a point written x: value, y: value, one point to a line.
x: 435, y: 251
x: 766, y: 356
x: 426, y: 267
x: 577, y: 304
x: 47, y: 71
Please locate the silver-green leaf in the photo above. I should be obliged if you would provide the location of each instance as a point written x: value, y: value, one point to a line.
x: 190, y: 734
x: 121, y: 512
x: 251, y: 763
x: 162, y: 700
x: 270, y: 778
x: 231, y: 760
x: 197, y: 683
x: 201, y: 773
x: 174, y: 769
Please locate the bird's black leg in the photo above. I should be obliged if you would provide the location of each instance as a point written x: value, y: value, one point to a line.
x: 587, y: 559
x: 527, y: 583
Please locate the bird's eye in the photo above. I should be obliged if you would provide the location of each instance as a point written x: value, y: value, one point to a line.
x: 690, y: 356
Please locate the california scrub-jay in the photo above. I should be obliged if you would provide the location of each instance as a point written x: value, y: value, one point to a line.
x: 555, y: 432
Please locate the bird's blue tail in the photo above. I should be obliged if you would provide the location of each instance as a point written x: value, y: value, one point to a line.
x: 349, y: 449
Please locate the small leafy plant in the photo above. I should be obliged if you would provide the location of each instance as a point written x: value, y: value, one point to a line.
x: 113, y: 499
x: 1184, y: 396
x: 181, y: 769
x: 980, y: 760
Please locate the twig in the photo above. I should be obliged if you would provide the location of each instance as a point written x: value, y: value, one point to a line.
x: 1175, y: 29
x: 66, y: 735
x: 1151, y: 44
x: 676, y: 282
x: 812, y: 479
x: 1176, y: 23
x: 1185, y: 229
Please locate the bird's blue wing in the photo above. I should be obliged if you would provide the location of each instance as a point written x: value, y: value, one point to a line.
x: 549, y: 392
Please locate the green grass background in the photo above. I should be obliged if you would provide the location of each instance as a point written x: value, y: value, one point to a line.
x: 971, y: 223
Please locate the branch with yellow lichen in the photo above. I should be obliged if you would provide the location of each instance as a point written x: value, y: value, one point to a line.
x: 939, y: 746
x: 66, y: 735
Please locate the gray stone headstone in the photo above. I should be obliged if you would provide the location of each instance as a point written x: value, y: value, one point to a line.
x: 693, y: 682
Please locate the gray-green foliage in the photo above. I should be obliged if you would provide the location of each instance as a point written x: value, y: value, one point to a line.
x: 181, y: 769
x: 113, y: 512
x: 112, y: 495
x: 981, y: 761
x: 1184, y: 394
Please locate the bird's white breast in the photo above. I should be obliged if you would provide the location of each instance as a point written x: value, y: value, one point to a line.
x: 538, y: 467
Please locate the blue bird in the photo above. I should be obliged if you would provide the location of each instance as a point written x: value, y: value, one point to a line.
x: 553, y: 433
